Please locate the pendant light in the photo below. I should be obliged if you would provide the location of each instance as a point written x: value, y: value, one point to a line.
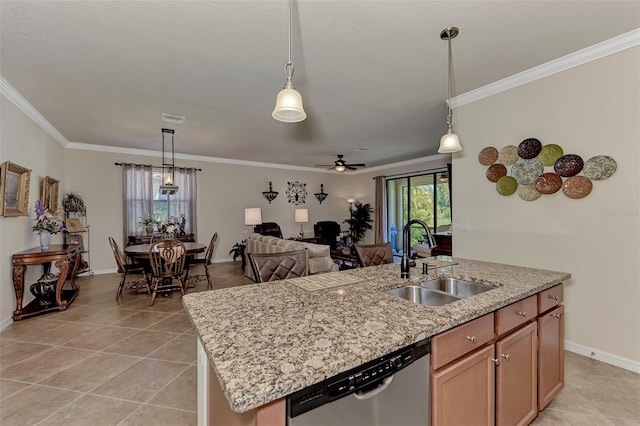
x: 450, y: 142
x: 289, y: 107
x: 168, y: 186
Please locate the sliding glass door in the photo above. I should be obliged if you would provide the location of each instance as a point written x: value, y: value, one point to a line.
x: 424, y: 197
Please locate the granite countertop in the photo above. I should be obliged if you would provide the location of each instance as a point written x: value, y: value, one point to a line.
x: 265, y: 341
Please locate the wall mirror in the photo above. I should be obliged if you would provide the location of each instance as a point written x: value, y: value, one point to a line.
x: 49, y: 193
x: 14, y: 189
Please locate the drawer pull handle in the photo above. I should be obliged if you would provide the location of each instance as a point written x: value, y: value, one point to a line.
x: 556, y: 298
x: 472, y: 339
x: 523, y: 313
x: 496, y: 361
x: 556, y: 316
x: 505, y: 356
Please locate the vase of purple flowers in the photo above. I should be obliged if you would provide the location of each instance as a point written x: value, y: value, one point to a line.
x: 46, y: 224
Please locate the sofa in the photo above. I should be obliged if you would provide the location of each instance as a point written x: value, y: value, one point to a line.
x: 319, y: 255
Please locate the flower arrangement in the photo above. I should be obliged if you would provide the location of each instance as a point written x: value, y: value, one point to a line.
x: 168, y: 226
x: 47, y: 221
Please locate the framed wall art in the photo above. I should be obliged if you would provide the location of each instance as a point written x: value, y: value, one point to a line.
x: 49, y: 193
x: 296, y: 192
x: 14, y: 189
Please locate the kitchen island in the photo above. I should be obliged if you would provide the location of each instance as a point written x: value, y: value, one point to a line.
x: 262, y: 342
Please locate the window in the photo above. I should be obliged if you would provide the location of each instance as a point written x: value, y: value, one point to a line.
x: 142, y: 197
x: 425, y: 197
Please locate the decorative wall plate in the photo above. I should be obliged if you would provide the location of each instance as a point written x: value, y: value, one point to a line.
x: 548, y: 183
x: 528, y: 192
x: 577, y: 187
x: 488, y: 156
x: 496, y: 171
x: 599, y: 167
x: 296, y: 192
x: 508, y: 155
x: 550, y: 154
x: 527, y: 170
x: 529, y: 148
x: 506, y: 185
x: 568, y: 165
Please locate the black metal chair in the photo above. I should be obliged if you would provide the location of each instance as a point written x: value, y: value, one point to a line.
x: 326, y: 232
x: 204, y: 261
x: 279, y: 266
x: 125, y: 269
x: 268, y: 228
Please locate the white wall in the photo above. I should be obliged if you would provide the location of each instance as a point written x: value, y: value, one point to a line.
x: 589, y: 110
x: 23, y: 142
x: 224, y: 191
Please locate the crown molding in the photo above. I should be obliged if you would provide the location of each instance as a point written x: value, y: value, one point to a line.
x: 580, y: 57
x: 420, y: 160
x: 14, y: 96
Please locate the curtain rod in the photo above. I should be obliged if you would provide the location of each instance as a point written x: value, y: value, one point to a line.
x: 159, y: 167
x: 439, y: 169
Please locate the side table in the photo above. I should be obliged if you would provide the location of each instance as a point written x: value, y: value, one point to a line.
x: 341, y: 258
x: 66, y: 259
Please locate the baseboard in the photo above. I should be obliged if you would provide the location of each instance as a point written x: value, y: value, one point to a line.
x: 6, y: 323
x: 618, y: 361
x: 104, y: 271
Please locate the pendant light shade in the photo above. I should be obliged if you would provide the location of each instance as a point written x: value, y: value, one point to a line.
x: 450, y: 142
x: 289, y: 107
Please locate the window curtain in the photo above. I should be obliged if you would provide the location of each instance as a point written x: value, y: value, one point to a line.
x: 137, y: 192
x: 380, y: 211
x: 184, y: 201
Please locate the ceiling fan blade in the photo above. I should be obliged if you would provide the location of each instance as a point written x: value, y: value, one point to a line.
x: 357, y: 165
x: 350, y: 167
x: 324, y: 165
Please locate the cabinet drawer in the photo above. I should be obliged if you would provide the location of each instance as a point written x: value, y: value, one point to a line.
x: 454, y: 343
x: 549, y: 298
x: 516, y: 314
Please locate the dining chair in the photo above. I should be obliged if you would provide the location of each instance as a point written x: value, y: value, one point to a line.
x: 125, y: 269
x: 279, y: 266
x: 204, y: 261
x: 167, y: 263
x: 374, y: 254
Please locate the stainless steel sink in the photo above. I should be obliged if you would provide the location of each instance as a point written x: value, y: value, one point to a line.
x: 456, y: 287
x: 422, y: 295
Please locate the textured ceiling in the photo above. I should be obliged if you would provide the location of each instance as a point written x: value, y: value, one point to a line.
x: 373, y: 74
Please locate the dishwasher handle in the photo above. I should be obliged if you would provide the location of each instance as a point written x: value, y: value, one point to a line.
x: 382, y: 385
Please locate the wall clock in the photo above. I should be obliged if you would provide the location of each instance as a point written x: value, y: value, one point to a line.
x: 296, y: 192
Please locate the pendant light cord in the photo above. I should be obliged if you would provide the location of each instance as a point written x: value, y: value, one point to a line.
x: 288, y: 68
x: 449, y: 86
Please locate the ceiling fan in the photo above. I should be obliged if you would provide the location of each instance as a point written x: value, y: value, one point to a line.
x: 341, y: 165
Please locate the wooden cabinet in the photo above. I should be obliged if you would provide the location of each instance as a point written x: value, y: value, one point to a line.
x: 517, y: 377
x: 464, y: 392
x: 550, y: 345
x: 500, y: 368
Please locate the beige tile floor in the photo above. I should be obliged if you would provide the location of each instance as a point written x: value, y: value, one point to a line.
x: 103, y: 362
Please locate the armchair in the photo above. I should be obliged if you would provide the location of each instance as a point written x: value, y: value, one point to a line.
x: 326, y: 233
x: 268, y: 228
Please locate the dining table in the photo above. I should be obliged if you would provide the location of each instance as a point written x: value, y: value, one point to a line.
x: 140, y: 253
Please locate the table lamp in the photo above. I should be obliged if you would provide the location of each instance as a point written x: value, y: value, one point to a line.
x: 302, y: 216
x: 253, y: 216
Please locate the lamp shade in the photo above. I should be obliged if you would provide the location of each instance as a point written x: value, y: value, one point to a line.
x: 302, y: 216
x: 253, y: 216
x: 450, y: 142
x: 289, y: 107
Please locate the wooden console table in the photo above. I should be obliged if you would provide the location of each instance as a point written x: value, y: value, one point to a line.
x: 146, y: 239
x: 66, y: 259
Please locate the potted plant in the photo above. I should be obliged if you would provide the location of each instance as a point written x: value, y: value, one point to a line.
x: 237, y: 250
x: 148, y: 222
x: 359, y: 222
x: 73, y: 202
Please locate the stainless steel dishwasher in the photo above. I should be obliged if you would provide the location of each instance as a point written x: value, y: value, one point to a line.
x: 393, y: 390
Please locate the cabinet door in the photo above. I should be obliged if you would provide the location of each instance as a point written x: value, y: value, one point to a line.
x: 550, y: 356
x: 516, y: 377
x: 464, y: 392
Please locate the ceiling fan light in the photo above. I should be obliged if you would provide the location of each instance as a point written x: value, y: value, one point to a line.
x: 340, y: 168
x: 289, y: 107
x: 450, y: 142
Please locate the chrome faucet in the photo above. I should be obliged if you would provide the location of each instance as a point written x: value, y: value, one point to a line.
x: 405, y: 264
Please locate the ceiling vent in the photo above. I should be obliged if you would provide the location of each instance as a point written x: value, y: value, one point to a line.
x: 170, y: 118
